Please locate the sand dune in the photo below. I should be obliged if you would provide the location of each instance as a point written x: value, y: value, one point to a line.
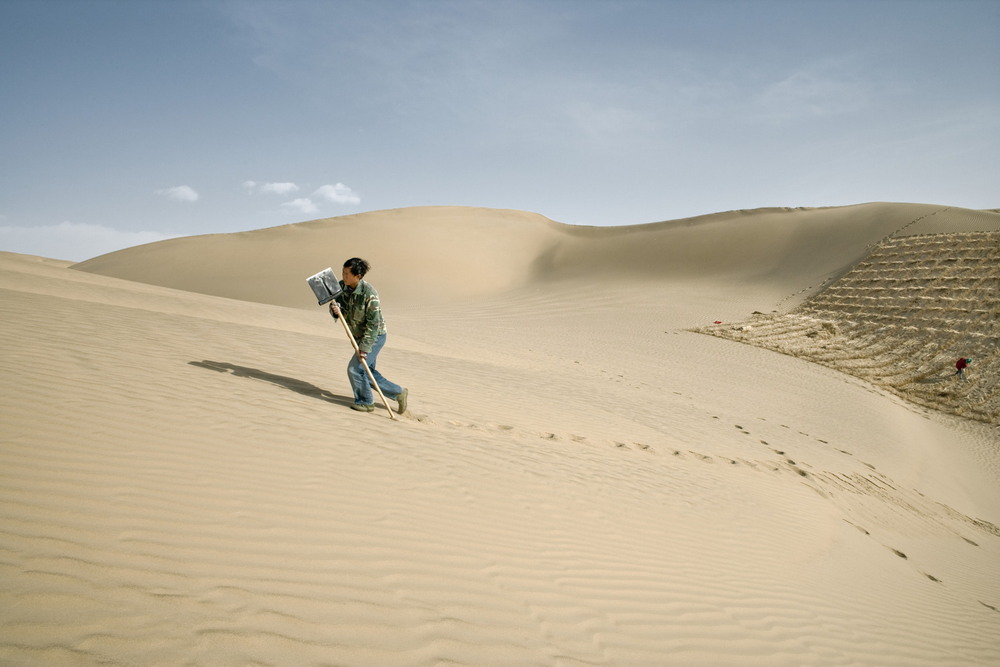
x: 581, y: 479
x: 441, y: 254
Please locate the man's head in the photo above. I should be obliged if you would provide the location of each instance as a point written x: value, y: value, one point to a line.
x: 354, y: 270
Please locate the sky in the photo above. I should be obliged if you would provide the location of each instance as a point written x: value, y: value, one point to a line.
x: 124, y: 122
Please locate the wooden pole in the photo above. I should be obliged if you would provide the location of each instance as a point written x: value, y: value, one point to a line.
x: 357, y: 351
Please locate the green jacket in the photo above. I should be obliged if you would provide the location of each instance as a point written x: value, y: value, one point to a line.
x: 363, y: 312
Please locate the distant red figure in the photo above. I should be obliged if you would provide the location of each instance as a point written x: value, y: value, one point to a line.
x: 961, y: 365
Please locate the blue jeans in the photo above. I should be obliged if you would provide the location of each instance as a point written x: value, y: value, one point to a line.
x: 362, y: 384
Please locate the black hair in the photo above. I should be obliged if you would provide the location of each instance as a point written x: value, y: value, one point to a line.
x: 358, y: 266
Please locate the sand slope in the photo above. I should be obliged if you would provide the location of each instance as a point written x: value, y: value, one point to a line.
x: 580, y: 480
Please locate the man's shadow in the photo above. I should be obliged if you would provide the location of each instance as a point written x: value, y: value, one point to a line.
x: 298, y: 386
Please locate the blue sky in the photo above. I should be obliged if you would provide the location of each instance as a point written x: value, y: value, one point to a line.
x: 125, y: 122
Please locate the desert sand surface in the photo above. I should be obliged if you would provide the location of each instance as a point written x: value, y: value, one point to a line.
x: 583, y: 476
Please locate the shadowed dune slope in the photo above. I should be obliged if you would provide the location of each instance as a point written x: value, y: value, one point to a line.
x: 443, y: 253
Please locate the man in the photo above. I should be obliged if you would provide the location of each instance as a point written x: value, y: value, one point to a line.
x: 961, y: 365
x: 358, y: 303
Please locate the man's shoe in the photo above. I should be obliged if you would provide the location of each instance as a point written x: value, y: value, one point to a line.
x: 361, y: 407
x: 401, y: 401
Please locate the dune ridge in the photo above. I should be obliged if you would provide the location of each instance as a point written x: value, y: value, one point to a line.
x: 475, y: 252
x: 581, y: 479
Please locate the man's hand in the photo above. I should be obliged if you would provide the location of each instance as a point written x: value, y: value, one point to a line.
x: 362, y: 355
x: 334, y: 309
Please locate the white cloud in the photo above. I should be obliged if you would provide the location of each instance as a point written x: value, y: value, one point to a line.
x: 179, y: 193
x: 270, y: 188
x: 72, y: 240
x: 279, y: 188
x: 338, y: 194
x: 304, y: 205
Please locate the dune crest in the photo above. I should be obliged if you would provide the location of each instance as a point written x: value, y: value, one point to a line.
x: 421, y: 254
x: 445, y: 253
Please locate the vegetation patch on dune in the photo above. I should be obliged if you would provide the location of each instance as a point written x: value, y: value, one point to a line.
x: 900, y: 319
